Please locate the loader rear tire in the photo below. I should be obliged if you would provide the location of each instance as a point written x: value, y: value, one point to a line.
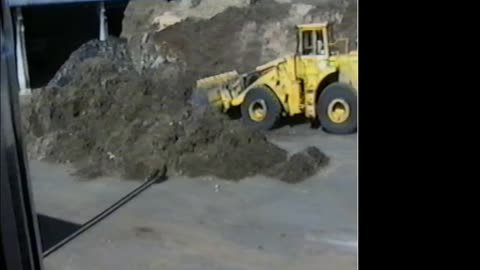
x: 261, y: 109
x: 342, y: 120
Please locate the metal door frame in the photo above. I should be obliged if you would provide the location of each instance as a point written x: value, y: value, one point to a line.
x: 20, y: 247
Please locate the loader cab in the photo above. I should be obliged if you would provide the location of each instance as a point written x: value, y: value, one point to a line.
x: 313, y: 39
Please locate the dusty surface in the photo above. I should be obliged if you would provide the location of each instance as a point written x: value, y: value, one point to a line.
x: 185, y: 223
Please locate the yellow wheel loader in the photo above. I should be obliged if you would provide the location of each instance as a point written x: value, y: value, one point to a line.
x: 318, y: 81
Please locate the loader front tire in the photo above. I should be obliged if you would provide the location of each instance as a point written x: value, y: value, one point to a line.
x: 337, y: 109
x: 260, y: 109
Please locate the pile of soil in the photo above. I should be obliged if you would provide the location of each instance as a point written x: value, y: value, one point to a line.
x: 239, y: 38
x: 300, y: 166
x: 114, y: 49
x: 154, y: 15
x: 110, y: 122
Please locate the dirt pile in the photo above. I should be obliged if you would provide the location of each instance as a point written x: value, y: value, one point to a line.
x: 143, y: 16
x: 155, y: 15
x: 300, y: 165
x: 111, y: 122
x: 241, y: 37
x: 114, y: 49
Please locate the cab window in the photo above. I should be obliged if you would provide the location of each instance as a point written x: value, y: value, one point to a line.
x: 307, y: 42
x: 320, y: 43
x: 313, y: 43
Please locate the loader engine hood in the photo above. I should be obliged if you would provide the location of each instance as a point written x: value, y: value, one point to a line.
x: 272, y: 64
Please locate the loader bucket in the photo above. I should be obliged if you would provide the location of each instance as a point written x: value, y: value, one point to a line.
x: 208, y: 90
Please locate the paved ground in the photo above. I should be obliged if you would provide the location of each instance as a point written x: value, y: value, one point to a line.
x: 258, y: 223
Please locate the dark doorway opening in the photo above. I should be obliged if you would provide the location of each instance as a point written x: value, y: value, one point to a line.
x: 53, y: 32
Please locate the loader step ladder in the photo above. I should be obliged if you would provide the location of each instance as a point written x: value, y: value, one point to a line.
x: 310, y: 98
